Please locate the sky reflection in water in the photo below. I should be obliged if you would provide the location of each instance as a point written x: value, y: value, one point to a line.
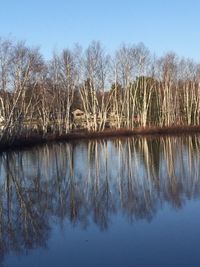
x: 120, y: 202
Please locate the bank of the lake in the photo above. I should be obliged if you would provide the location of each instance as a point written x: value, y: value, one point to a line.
x: 31, y: 139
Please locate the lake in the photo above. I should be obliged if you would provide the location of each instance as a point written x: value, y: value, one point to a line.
x: 119, y: 202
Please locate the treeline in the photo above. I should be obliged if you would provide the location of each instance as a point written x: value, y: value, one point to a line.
x: 128, y: 89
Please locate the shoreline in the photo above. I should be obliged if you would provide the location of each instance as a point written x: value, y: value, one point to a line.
x: 37, y: 139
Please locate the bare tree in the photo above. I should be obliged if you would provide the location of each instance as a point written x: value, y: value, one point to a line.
x: 64, y: 79
x: 24, y: 69
x: 93, y: 89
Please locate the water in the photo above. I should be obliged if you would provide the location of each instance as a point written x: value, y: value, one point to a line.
x: 120, y: 202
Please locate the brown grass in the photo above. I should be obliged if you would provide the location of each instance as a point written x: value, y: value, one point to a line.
x: 35, y: 139
x: 141, y: 131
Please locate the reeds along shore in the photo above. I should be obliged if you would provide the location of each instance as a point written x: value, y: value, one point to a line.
x: 130, y: 92
x: 37, y: 139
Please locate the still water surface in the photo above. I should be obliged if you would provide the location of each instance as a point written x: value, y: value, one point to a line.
x: 122, y: 202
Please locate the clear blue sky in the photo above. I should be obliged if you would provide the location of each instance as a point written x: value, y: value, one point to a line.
x: 162, y: 25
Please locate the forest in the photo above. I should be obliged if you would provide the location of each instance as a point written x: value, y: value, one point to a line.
x: 129, y: 88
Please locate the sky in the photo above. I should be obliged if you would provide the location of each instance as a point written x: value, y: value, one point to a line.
x: 162, y: 25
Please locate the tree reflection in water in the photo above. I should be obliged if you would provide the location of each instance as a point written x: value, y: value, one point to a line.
x: 92, y: 180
